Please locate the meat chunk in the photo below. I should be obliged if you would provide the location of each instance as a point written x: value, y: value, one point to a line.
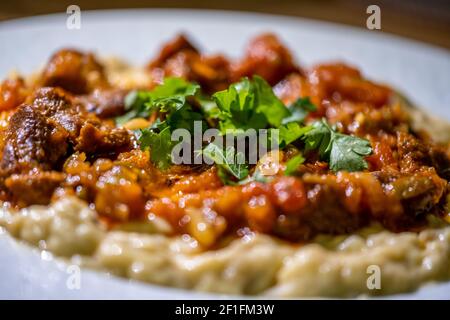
x: 33, y: 188
x: 58, y: 105
x: 415, y: 154
x: 51, y: 100
x: 40, y: 134
x: 74, y: 71
x: 328, y: 214
x: 441, y: 161
x: 179, y: 58
x: 339, y: 81
x: 327, y: 209
x: 419, y: 192
x: 179, y: 44
x: 103, y: 140
x: 211, y: 72
x: 32, y: 141
x: 265, y: 56
x: 85, y: 131
x: 105, y: 103
x: 341, y: 93
x: 424, y: 167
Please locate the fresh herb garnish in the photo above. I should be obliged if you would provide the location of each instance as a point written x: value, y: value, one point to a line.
x: 291, y: 132
x: 170, y: 101
x: 300, y: 110
x: 293, y: 164
x: 228, y: 161
x: 160, y: 145
x: 135, y: 107
x: 168, y: 97
x: 341, y: 151
x: 248, y: 104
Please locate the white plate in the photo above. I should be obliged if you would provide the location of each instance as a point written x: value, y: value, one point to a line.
x: 422, y: 72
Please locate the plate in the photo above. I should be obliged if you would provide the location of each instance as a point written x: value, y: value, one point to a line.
x: 420, y: 71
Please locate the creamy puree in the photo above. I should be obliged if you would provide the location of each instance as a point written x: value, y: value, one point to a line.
x: 259, y: 264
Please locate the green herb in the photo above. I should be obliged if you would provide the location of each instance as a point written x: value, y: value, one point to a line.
x: 293, y: 164
x: 229, y: 162
x: 291, y: 132
x: 168, y: 97
x: 300, y: 110
x: 342, y: 152
x: 160, y: 145
x: 171, y: 95
x: 208, y: 106
x: 268, y: 103
x: 249, y: 104
x: 184, y: 119
x: 135, y: 106
x: 170, y: 101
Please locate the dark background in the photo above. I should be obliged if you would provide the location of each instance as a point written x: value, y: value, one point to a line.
x: 423, y: 20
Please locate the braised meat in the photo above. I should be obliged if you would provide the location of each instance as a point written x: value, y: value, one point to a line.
x: 265, y: 56
x: 32, y: 141
x: 105, y: 103
x: 73, y: 71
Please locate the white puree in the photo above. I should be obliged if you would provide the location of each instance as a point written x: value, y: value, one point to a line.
x: 330, y: 266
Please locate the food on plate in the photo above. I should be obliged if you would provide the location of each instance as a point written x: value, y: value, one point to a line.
x: 347, y: 178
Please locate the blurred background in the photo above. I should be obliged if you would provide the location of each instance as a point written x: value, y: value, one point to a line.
x: 424, y: 20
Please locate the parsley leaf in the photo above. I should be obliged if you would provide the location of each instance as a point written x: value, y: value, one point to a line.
x: 268, y: 103
x: 170, y: 100
x: 292, y: 165
x: 160, y: 145
x: 171, y: 95
x: 135, y: 106
x: 168, y: 97
x: 184, y: 119
x: 249, y: 104
x: 348, y: 153
x: 291, y: 132
x: 229, y: 162
x: 318, y: 138
x: 299, y: 110
x: 341, y: 151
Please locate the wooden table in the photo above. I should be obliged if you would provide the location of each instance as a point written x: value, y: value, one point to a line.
x: 427, y: 21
